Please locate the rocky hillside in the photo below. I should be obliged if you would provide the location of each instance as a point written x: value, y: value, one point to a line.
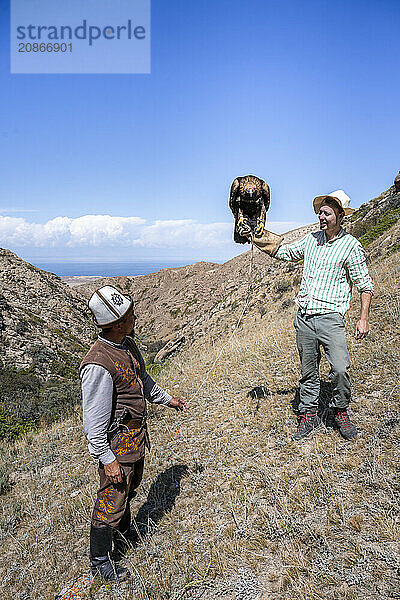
x: 376, y: 224
x: 176, y: 307
x: 43, y: 323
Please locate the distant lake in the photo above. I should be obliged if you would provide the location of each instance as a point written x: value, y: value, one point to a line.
x: 105, y: 269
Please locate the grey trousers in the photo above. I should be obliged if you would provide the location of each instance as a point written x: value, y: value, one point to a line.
x: 328, y: 331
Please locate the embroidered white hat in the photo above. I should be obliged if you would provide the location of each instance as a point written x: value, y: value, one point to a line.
x: 341, y: 198
x: 109, y: 306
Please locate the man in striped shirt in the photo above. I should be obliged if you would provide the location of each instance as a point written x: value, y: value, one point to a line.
x: 334, y: 261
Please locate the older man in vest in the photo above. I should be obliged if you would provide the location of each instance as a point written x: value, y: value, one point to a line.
x: 334, y: 261
x: 115, y: 387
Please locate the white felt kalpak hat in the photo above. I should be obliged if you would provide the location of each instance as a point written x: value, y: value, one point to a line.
x: 109, y: 306
x: 341, y: 198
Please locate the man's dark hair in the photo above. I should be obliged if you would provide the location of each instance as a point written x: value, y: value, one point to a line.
x: 333, y: 204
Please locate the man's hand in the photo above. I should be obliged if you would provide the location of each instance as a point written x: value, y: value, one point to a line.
x: 113, y: 472
x: 362, y: 329
x: 177, y: 404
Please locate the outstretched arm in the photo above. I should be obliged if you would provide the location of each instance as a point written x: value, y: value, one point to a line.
x: 154, y: 393
x: 271, y: 243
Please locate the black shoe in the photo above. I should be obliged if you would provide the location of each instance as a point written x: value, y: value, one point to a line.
x: 107, y: 570
x: 307, y: 423
x: 100, y: 551
x: 346, y: 428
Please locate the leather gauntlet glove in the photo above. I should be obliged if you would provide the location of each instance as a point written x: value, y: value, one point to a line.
x: 269, y: 242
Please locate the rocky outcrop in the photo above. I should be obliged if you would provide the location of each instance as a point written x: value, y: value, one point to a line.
x: 369, y: 213
x: 43, y: 323
x: 397, y: 182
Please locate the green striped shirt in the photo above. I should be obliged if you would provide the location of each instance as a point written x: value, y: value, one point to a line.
x: 331, y: 268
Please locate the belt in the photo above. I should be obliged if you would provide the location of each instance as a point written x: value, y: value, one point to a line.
x: 135, y: 423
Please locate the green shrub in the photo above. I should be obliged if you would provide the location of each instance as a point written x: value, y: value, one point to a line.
x: 385, y: 222
x: 283, y: 285
x: 22, y: 326
x: 40, y: 354
x: 32, y: 317
x: 26, y: 401
x: 74, y: 343
x: 11, y: 427
x: 17, y: 389
x: 393, y: 249
x: 153, y: 369
x: 66, y: 365
x: 3, y: 303
x: 362, y: 227
x: 57, y: 399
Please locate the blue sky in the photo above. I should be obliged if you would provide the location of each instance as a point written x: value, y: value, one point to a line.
x: 303, y: 94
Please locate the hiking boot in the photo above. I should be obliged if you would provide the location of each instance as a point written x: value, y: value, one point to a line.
x: 346, y: 428
x: 108, y: 571
x: 100, y: 552
x: 307, y: 423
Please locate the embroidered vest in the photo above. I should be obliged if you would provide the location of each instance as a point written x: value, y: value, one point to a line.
x: 124, y: 368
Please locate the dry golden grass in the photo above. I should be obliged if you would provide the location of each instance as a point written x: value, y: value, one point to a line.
x: 230, y: 507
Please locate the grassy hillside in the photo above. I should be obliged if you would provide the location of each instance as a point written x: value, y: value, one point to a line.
x: 230, y: 507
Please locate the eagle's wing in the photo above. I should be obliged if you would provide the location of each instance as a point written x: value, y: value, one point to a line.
x: 233, y: 196
x: 266, y: 195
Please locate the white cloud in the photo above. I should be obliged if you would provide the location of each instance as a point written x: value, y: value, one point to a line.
x: 98, y: 230
x: 185, y: 233
x: 106, y: 231
x: 17, y: 210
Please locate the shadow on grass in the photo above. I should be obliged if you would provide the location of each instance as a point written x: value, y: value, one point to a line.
x: 160, y: 500
x: 258, y: 392
x: 324, y: 400
x: 287, y: 391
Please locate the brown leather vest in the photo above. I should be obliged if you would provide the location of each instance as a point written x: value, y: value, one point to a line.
x: 124, y: 368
